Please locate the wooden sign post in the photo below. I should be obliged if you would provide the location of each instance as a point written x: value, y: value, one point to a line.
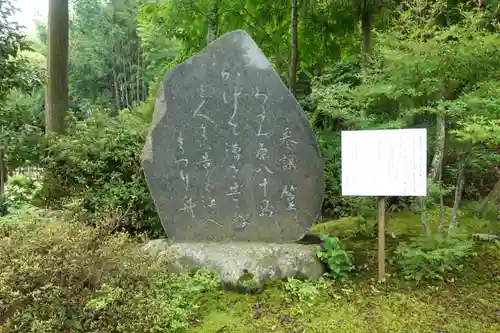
x: 384, y: 163
x: 381, y: 238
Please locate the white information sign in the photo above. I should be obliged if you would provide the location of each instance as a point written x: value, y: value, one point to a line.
x: 384, y: 162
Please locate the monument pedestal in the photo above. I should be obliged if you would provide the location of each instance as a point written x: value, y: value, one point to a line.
x: 242, y: 266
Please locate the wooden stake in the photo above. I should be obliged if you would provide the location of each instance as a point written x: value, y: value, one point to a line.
x: 381, y: 238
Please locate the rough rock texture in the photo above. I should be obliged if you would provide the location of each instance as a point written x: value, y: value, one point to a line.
x: 231, y: 155
x: 241, y: 266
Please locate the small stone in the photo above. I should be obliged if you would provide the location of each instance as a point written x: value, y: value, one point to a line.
x: 286, y: 319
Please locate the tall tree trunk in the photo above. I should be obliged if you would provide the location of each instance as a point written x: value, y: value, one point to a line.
x: 439, y: 150
x: 493, y: 198
x: 144, y: 90
x: 294, y: 59
x: 462, y: 161
x: 117, y: 91
x: 438, y: 164
x: 494, y: 195
x: 138, y: 74
x: 436, y: 169
x: 123, y: 87
x: 442, y: 208
x: 213, y: 21
x: 423, y: 216
x: 366, y: 30
x: 57, y: 64
x: 126, y: 83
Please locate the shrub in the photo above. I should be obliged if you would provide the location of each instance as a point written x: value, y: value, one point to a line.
x: 99, y: 163
x: 336, y: 258
x: 58, y: 276
x: 432, y: 258
x: 20, y: 190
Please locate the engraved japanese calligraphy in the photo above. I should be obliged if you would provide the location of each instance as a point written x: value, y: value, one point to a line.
x: 230, y: 154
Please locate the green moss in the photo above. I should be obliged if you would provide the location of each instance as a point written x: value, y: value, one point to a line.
x: 469, y: 304
x: 405, y: 223
x: 368, y: 308
x: 343, y: 227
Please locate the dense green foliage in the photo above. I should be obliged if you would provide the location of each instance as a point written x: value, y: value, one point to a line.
x: 60, y: 276
x: 336, y: 258
x: 427, y: 62
x: 362, y: 65
x: 97, y: 168
x: 21, y: 190
x: 430, y: 259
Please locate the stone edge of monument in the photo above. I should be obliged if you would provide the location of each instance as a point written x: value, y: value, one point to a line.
x: 160, y: 112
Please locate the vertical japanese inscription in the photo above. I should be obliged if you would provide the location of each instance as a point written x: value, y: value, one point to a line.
x: 205, y: 161
x: 231, y: 121
x: 188, y: 207
x: 262, y: 152
x: 288, y: 194
x: 265, y: 208
x: 234, y: 190
x: 182, y: 164
x: 262, y: 115
x: 233, y: 149
x: 288, y: 161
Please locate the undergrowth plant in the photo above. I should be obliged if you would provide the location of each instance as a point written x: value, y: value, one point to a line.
x: 432, y: 258
x: 97, y: 165
x: 338, y: 260
x: 61, y: 276
x: 20, y: 190
x: 305, y: 293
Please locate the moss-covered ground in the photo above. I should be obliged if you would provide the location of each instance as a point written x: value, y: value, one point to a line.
x: 467, y: 303
x: 58, y: 275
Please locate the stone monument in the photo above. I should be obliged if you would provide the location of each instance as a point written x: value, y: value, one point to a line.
x: 231, y: 156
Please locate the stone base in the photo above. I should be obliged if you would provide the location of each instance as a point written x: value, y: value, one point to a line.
x: 240, y: 266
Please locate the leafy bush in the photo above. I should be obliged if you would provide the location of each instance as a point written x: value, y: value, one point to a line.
x: 58, y: 276
x: 337, y: 259
x: 432, y: 258
x: 99, y: 163
x: 20, y: 190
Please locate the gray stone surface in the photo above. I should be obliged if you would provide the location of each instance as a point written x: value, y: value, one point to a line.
x: 231, y: 155
x: 240, y: 265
